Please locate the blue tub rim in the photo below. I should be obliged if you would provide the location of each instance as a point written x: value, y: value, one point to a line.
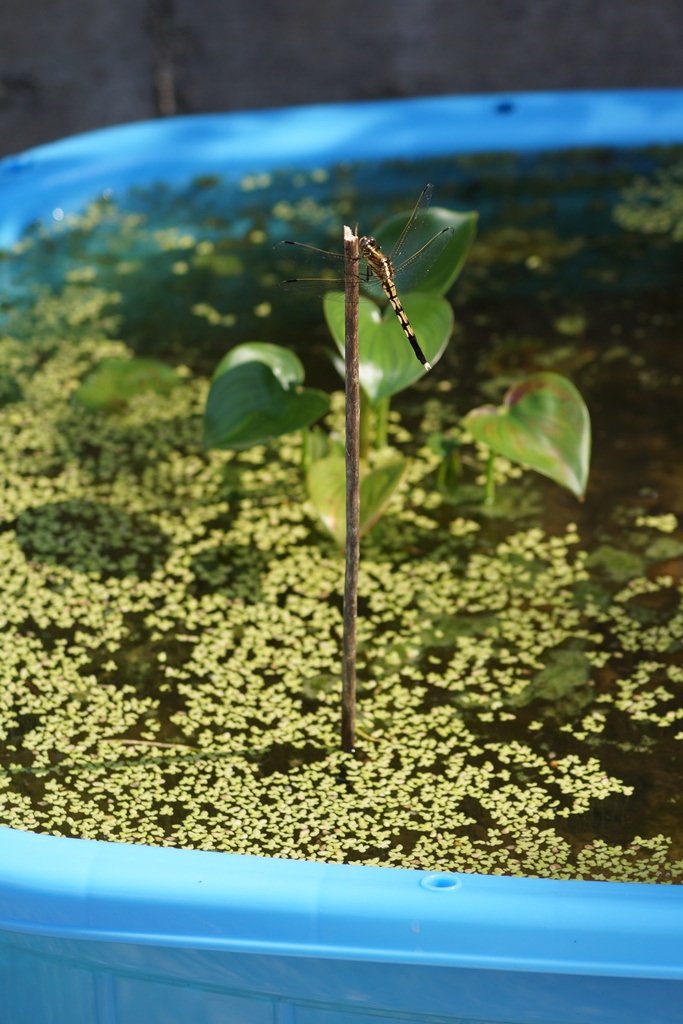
x: 75, y: 888
x: 65, y: 174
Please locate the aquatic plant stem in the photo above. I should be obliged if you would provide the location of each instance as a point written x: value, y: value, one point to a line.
x: 305, y: 453
x: 442, y: 474
x: 381, y: 423
x: 490, y: 489
x: 366, y: 422
x: 352, y: 491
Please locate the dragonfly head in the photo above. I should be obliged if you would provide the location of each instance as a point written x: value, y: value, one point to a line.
x: 369, y: 246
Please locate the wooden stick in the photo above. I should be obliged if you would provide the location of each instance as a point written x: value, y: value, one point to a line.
x: 352, y: 492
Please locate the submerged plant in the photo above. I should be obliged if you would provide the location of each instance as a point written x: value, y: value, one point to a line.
x: 115, y: 381
x: 654, y: 206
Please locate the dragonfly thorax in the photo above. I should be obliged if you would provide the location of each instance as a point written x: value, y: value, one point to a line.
x: 371, y: 251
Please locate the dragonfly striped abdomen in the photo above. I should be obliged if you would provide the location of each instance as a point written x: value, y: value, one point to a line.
x: 380, y: 275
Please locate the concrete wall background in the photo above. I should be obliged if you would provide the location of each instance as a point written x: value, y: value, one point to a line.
x: 69, y: 66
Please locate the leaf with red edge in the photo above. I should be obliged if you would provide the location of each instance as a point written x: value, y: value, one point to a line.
x: 544, y: 424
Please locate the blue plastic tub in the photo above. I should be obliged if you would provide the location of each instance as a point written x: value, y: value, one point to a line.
x: 102, y: 933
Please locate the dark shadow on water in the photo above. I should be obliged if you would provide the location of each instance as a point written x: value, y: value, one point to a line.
x: 89, y: 536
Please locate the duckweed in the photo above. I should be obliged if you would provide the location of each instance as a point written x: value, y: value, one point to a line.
x: 172, y: 630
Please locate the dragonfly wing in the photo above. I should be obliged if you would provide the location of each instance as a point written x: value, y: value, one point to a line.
x: 316, y: 271
x: 410, y: 231
x: 305, y: 261
x: 409, y: 273
x: 313, y: 285
x: 333, y: 286
x: 297, y: 255
x: 310, y: 271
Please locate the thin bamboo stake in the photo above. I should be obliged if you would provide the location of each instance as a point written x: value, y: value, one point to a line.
x: 352, y: 492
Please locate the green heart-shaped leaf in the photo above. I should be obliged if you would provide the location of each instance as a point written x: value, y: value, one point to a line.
x: 450, y: 262
x: 326, y: 481
x: 115, y: 381
x: 248, y: 405
x: 543, y: 424
x: 286, y: 366
x: 387, y: 362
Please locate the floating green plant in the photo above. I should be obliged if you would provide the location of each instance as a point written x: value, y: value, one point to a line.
x: 171, y: 639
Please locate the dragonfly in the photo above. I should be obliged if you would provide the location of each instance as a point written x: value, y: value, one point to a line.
x: 379, y: 274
